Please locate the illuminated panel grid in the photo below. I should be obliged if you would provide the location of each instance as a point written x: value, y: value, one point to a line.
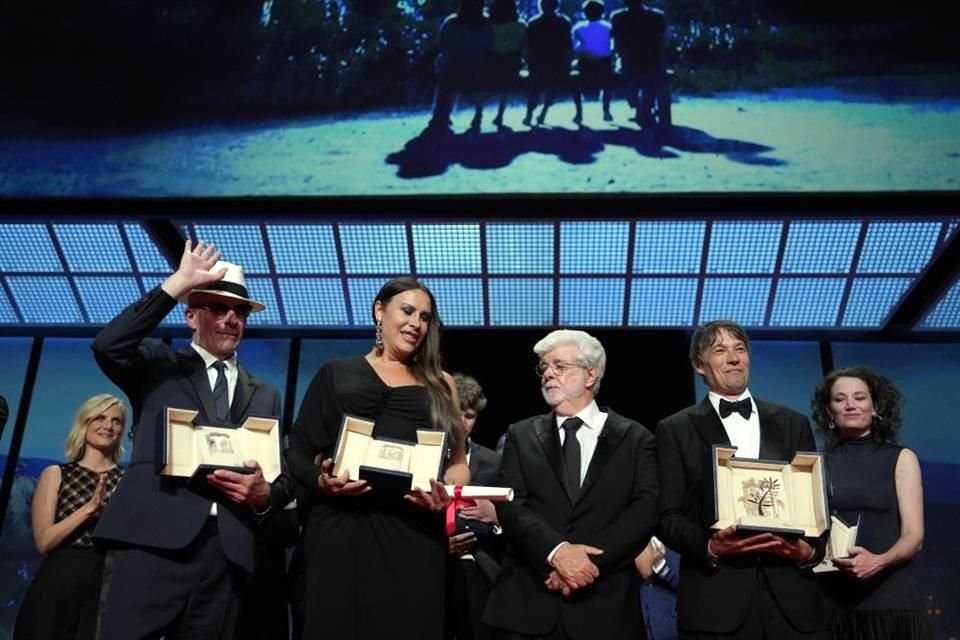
x: 946, y: 313
x: 380, y: 248
x: 300, y: 248
x: 93, y: 247
x: 898, y: 247
x: 314, y: 301
x: 521, y: 301
x: 593, y: 247
x: 520, y: 248
x: 743, y: 247
x: 261, y: 290
x: 668, y: 247
x: 105, y: 297
x: 743, y: 300
x: 447, y: 248
x: 662, y: 302
x: 240, y: 244
x: 27, y: 247
x: 175, y: 317
x: 820, y: 247
x: 872, y: 299
x: 807, y: 302
x: 7, y: 314
x: 459, y: 300
x: 45, y: 299
x: 363, y: 291
x: 591, y: 301
x: 951, y: 229
x: 145, y: 251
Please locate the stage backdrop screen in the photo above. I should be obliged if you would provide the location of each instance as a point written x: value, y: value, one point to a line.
x: 422, y: 97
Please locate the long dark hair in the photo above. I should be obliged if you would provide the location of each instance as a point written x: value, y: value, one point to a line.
x: 886, y: 404
x: 426, y: 366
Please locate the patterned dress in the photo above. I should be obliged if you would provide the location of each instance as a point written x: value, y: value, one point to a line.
x: 61, y: 602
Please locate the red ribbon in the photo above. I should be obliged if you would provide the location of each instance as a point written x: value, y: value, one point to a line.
x: 458, y: 502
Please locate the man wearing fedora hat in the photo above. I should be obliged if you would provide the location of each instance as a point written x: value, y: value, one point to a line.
x: 178, y: 553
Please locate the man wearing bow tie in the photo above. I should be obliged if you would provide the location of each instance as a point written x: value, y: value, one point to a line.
x: 585, y: 491
x: 733, y: 584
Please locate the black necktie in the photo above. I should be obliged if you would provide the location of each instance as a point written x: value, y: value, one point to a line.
x: 221, y: 399
x: 571, y: 457
x: 743, y: 407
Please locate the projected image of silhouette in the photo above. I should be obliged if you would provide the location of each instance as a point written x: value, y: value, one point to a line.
x: 347, y: 97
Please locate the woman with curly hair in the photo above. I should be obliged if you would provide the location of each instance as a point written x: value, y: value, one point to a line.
x: 875, y: 481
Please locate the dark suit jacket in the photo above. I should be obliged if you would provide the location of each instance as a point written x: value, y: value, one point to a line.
x: 484, y: 465
x: 616, y: 511
x: 147, y: 509
x: 716, y: 600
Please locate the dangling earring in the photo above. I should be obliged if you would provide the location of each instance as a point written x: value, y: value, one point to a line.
x: 378, y: 342
x: 830, y: 425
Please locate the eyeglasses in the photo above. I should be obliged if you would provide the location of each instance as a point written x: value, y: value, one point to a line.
x: 558, y: 368
x: 220, y: 310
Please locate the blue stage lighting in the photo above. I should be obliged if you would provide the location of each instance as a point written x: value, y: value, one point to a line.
x: 238, y: 243
x: 520, y: 248
x: 446, y: 248
x: 594, y: 247
x: 898, y: 247
x: 313, y: 301
x: 45, y: 299
x: 872, y: 299
x: 591, y: 301
x: 521, y: 301
x: 380, y: 248
x: 662, y: 247
x: 303, y: 249
x: 662, y: 302
x: 820, y: 247
x: 27, y: 247
x: 105, y: 296
x: 93, y: 248
x: 744, y: 247
x: 743, y: 300
x: 807, y: 302
x: 459, y: 300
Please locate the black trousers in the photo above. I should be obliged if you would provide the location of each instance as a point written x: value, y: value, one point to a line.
x: 467, y: 593
x: 187, y: 594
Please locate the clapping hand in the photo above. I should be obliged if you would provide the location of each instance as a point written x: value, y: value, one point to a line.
x: 99, y: 498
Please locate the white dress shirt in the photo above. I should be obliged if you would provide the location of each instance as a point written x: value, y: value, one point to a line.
x: 587, y: 435
x: 743, y: 434
x: 230, y: 371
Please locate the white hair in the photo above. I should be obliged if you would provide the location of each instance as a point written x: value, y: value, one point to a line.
x: 591, y: 352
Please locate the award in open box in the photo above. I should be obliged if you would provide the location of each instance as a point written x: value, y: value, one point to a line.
x: 787, y: 498
x: 389, y: 465
x: 188, y: 449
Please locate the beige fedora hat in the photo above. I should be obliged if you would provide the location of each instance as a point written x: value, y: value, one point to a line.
x: 233, y: 285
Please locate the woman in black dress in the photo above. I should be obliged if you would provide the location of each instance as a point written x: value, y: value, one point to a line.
x: 375, y: 564
x: 874, y: 481
x: 61, y: 602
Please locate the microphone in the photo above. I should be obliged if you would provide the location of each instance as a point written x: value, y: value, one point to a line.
x: 4, y: 414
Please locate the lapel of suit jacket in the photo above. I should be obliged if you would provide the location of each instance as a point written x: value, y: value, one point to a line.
x: 549, y: 438
x: 241, y: 395
x: 191, y: 364
x: 772, y: 445
x: 614, y: 429
x: 708, y: 424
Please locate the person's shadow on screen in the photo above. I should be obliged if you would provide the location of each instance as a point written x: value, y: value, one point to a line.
x: 432, y: 153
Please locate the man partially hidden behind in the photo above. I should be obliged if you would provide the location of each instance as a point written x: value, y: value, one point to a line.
x: 178, y: 556
x: 733, y: 584
x: 585, y: 488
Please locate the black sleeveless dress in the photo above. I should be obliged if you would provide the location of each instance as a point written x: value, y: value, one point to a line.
x: 888, y: 605
x: 61, y: 602
x: 375, y: 568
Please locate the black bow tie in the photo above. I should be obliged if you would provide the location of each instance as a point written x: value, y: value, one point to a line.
x: 743, y: 407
